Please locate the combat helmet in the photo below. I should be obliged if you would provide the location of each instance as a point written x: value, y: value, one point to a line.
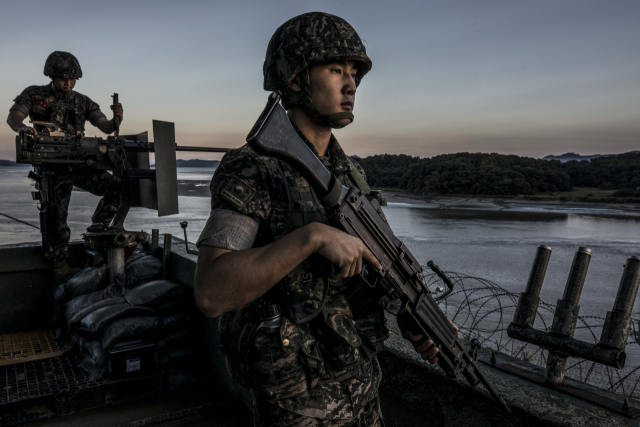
x: 308, y: 39
x: 62, y: 64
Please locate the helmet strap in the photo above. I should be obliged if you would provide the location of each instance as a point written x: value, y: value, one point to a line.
x: 307, y: 104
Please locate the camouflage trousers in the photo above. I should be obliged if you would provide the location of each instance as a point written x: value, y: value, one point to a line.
x: 98, y: 183
x: 352, y: 402
x: 266, y: 414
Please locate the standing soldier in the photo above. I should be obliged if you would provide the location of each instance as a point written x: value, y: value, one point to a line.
x: 286, y: 328
x: 67, y: 109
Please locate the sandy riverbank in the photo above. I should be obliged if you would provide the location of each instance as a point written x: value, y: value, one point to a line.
x: 201, y: 189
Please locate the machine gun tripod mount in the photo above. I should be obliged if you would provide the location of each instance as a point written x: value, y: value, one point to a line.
x: 128, y: 157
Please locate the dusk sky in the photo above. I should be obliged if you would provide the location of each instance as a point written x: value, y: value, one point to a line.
x: 530, y: 78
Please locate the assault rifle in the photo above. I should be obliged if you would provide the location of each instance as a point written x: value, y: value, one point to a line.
x: 400, y: 278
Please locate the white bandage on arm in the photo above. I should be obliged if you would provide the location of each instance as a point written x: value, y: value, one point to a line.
x: 228, y: 229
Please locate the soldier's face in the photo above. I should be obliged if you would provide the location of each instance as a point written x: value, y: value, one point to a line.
x: 64, y: 85
x: 333, y: 87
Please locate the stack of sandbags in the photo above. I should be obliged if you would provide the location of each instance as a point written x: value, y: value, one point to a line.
x: 140, y: 267
x: 132, y: 311
x: 85, y: 281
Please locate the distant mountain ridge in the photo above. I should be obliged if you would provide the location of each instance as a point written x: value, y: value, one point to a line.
x: 573, y: 156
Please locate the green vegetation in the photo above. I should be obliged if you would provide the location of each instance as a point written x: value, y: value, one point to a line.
x: 479, y: 174
x: 467, y: 173
x: 607, y: 173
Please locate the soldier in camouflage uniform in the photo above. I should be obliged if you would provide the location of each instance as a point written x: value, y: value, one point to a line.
x: 59, y: 104
x: 287, y: 330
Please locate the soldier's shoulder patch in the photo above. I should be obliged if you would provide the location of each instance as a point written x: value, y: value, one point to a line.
x: 237, y: 192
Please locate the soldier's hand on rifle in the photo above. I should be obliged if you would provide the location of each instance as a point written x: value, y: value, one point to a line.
x: 344, y: 251
x: 27, y: 129
x: 117, y: 110
x: 425, y: 349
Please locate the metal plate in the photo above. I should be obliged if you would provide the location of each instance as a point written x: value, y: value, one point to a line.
x: 164, y: 136
x: 27, y: 346
x: 584, y: 394
x: 143, y: 191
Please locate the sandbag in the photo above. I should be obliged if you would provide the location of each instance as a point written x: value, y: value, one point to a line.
x: 93, y: 258
x: 141, y: 267
x: 129, y: 328
x: 136, y: 256
x: 127, y: 343
x: 79, y: 303
x: 92, y: 369
x: 83, y: 301
x: 95, y: 321
x: 81, y: 341
x: 154, y: 294
x: 98, y: 354
x: 79, y: 315
x: 85, y: 281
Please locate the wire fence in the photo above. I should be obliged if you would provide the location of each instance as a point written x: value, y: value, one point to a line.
x: 483, y: 310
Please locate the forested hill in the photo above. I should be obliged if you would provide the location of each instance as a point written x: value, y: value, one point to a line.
x: 606, y: 173
x: 497, y: 174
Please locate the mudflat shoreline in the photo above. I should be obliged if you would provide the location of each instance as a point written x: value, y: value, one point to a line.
x: 515, y: 205
x: 201, y: 189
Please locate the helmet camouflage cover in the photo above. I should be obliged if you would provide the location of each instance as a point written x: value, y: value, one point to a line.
x: 307, y: 39
x: 62, y: 64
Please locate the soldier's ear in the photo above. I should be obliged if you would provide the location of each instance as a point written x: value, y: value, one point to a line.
x: 294, y: 85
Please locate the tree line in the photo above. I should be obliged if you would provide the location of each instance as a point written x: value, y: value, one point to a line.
x: 497, y: 174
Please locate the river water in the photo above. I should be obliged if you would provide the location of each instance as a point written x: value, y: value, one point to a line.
x: 496, y: 245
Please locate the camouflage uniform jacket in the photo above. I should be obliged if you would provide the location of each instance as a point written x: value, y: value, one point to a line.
x: 317, y: 342
x: 69, y: 111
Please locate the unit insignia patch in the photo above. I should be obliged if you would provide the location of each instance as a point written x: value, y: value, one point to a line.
x: 237, y: 192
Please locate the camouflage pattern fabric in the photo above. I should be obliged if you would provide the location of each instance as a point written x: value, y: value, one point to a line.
x: 351, y: 403
x: 308, y: 39
x: 68, y: 111
x: 318, y: 362
x: 95, y: 182
x: 265, y: 197
x: 62, y: 64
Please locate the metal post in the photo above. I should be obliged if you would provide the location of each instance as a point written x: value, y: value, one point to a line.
x: 115, y: 262
x: 155, y: 237
x: 525, y: 314
x: 566, y: 315
x: 166, y: 254
x: 618, y: 321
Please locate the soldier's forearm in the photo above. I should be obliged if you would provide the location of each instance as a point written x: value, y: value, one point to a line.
x: 237, y: 278
x: 14, y: 121
x: 107, y: 126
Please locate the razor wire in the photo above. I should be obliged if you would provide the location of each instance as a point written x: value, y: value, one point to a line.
x: 483, y: 310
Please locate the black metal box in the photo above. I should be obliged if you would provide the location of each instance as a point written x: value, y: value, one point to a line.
x: 132, y: 360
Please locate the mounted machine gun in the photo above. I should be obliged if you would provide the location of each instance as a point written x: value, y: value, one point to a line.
x: 127, y: 156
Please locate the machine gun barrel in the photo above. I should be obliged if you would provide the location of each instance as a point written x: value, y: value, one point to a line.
x: 400, y: 277
x: 91, y: 152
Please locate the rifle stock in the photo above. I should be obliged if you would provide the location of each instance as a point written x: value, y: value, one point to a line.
x: 400, y: 278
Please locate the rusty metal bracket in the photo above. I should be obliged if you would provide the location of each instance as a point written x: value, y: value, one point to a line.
x: 616, y: 406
